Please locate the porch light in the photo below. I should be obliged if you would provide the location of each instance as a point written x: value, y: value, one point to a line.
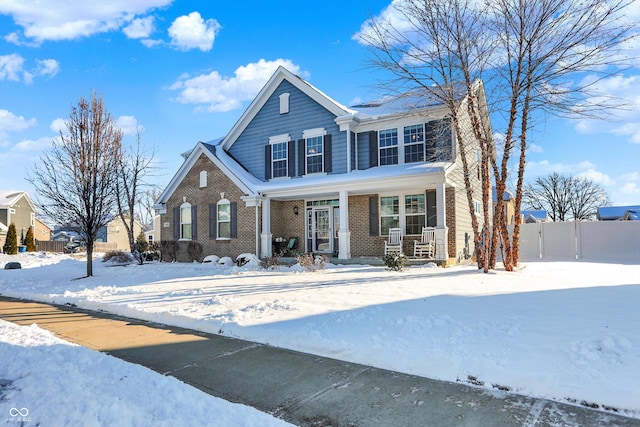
x: 296, y: 211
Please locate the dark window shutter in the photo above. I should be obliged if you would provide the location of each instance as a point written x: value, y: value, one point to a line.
x: 373, y: 216
x: 373, y: 148
x: 213, y: 221
x: 328, y: 163
x: 234, y: 219
x: 267, y: 161
x: 176, y: 223
x: 194, y: 222
x: 354, y: 152
x: 291, y: 147
x: 302, y: 158
x: 432, y: 211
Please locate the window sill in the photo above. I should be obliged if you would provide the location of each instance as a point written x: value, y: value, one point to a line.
x: 314, y: 174
x: 280, y: 178
x: 223, y: 239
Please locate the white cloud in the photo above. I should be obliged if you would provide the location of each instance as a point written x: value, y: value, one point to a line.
x: 597, y: 177
x: 140, y: 28
x: 390, y: 19
x: 11, y: 67
x: 623, y: 121
x: 535, y: 148
x: 9, y: 122
x: 193, y: 32
x: 47, y: 67
x: 221, y: 93
x: 39, y: 144
x: 129, y: 125
x: 58, y: 125
x: 64, y: 20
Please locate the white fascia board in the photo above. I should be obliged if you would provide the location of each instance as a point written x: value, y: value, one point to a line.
x: 361, y: 183
x: 265, y: 93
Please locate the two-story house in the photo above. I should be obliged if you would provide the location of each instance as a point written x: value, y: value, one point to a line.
x: 299, y: 164
x: 15, y: 207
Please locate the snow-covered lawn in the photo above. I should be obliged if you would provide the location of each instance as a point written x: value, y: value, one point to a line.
x: 568, y: 331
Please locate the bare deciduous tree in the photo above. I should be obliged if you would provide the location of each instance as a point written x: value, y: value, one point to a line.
x: 134, y: 166
x: 527, y: 52
x: 565, y: 197
x: 74, y: 182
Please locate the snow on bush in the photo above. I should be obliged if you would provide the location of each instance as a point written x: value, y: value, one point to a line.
x: 211, y: 258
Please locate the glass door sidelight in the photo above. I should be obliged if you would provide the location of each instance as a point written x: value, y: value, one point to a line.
x: 320, y: 230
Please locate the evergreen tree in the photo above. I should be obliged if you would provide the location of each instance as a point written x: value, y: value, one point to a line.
x: 141, y: 243
x: 11, y: 244
x: 30, y: 241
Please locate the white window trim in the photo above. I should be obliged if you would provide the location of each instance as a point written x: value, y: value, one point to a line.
x: 407, y: 144
x: 402, y: 220
x: 218, y: 221
x: 279, y: 139
x: 184, y: 206
x: 398, y: 145
x: 400, y: 125
x: 310, y: 133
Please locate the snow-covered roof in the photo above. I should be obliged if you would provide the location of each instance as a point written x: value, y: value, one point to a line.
x: 534, y: 215
x: 613, y: 213
x: 8, y: 198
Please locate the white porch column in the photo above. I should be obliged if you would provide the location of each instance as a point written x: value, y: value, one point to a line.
x: 442, y: 249
x: 265, y: 236
x: 344, y: 235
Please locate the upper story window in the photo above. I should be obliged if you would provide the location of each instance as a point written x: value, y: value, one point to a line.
x: 414, y: 143
x: 224, y: 219
x: 203, y: 179
x: 388, y: 144
x: 279, y: 157
x: 431, y: 141
x: 185, y: 221
x: 314, y: 150
x: 314, y: 154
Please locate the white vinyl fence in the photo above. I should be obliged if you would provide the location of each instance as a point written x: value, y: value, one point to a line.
x: 589, y: 241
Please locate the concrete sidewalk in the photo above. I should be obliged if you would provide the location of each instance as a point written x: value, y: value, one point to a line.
x: 303, y: 389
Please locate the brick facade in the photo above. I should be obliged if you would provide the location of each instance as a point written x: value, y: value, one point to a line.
x: 189, y: 190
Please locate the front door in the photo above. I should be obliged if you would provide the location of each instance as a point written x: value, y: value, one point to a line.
x: 320, y: 230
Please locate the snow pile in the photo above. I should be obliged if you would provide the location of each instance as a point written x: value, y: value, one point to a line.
x: 561, y: 330
x: 47, y: 381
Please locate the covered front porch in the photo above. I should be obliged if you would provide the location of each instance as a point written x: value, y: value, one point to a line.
x: 352, y: 224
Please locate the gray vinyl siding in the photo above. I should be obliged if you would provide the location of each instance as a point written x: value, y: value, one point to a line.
x: 304, y: 113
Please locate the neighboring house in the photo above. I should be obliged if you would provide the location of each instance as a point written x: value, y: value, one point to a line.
x: 41, y: 231
x: 116, y: 232
x: 618, y: 213
x: 532, y: 216
x: 299, y: 164
x: 153, y: 234
x: 509, y: 206
x: 15, y: 207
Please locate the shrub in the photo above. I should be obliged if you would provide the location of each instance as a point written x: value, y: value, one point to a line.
x: 312, y: 262
x: 141, y: 243
x: 168, y: 250
x: 396, y: 262
x: 194, y: 249
x: 117, y: 256
x: 11, y: 244
x: 29, y: 241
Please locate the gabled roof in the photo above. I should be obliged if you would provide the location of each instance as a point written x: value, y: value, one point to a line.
x: 612, y: 213
x: 534, y: 215
x: 269, y: 88
x: 213, y: 150
x: 9, y: 198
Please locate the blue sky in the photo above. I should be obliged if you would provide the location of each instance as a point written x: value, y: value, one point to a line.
x: 184, y: 72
